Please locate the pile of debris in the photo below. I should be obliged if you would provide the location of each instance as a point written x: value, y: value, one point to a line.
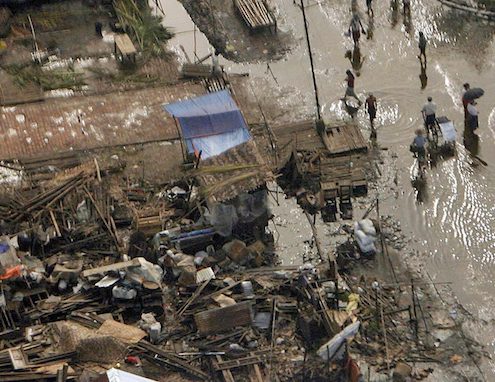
x: 100, y: 276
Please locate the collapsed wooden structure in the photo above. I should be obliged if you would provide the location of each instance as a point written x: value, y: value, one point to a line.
x: 330, y: 163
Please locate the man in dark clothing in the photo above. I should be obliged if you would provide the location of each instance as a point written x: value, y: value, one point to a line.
x: 422, y: 46
x: 370, y: 106
x: 355, y: 28
x: 98, y: 29
x: 370, y: 8
x: 465, y: 101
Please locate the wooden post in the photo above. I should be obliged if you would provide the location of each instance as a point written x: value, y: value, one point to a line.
x: 318, y: 113
x: 415, y: 319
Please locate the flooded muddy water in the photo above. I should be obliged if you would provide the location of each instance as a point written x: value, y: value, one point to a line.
x: 453, y: 229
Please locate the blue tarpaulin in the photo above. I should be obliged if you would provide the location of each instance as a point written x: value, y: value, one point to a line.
x: 211, y: 123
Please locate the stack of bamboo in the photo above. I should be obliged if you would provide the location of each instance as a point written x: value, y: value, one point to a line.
x: 255, y: 13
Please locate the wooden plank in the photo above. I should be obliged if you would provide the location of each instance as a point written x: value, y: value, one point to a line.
x: 257, y: 373
x: 238, y: 362
x: 227, y: 375
x: 124, y: 44
x: 111, y: 267
x: 18, y: 358
x: 196, y: 70
x: 341, y: 139
x: 222, y: 319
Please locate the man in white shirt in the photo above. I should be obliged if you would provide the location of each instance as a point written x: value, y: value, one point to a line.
x: 215, y: 65
x: 428, y: 111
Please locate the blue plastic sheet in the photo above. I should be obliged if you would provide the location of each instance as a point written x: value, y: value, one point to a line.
x: 211, y: 123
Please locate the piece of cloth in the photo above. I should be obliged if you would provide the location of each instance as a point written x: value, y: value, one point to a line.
x: 419, y: 141
x: 211, y: 123
x: 471, y: 109
x: 429, y: 108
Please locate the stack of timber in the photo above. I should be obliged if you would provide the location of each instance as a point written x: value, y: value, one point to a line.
x: 216, y: 83
x: 256, y: 14
x: 196, y: 70
x: 212, y: 83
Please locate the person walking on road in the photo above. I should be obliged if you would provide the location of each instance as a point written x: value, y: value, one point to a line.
x: 422, y: 47
x: 429, y: 109
x: 215, y: 64
x: 370, y: 8
x: 356, y: 28
x: 349, y: 92
x: 370, y: 105
x: 418, y: 148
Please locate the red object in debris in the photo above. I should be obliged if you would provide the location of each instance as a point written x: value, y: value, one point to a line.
x: 11, y: 273
x: 132, y: 359
x: 353, y: 370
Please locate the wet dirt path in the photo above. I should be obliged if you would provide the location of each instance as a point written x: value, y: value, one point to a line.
x: 453, y: 228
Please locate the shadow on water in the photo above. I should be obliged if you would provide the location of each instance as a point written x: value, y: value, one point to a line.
x: 356, y: 59
x: 421, y: 190
x: 407, y: 20
x: 471, y: 142
x: 394, y: 16
x: 351, y: 108
x: 371, y: 28
x: 423, y: 78
x: 418, y: 182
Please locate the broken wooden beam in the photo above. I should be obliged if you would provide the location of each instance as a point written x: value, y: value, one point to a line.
x: 111, y: 267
